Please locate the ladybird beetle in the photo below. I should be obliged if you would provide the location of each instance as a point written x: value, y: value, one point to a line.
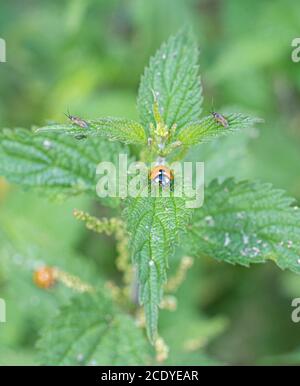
x: 44, y: 277
x: 162, y: 175
x: 77, y: 121
x: 220, y: 119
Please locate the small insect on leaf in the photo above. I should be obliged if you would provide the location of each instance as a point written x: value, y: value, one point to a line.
x: 220, y: 119
x: 44, y: 277
x: 77, y: 121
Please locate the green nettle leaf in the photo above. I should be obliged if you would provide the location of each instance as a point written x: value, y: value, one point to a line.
x: 92, y: 331
x: 61, y: 164
x: 114, y: 129
x: 286, y: 359
x: 154, y: 224
x: 208, y: 128
x: 173, y: 77
x: 247, y: 222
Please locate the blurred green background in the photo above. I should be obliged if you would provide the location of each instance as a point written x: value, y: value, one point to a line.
x: 87, y: 56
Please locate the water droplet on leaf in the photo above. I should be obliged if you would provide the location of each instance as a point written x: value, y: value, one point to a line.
x: 227, y: 240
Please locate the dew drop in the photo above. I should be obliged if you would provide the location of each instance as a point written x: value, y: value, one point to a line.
x: 151, y: 263
x: 47, y: 144
x: 227, y: 240
x: 164, y: 56
x: 245, y: 238
x: 289, y: 244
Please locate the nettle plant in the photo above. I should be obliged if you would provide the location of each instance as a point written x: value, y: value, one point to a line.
x: 239, y: 223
